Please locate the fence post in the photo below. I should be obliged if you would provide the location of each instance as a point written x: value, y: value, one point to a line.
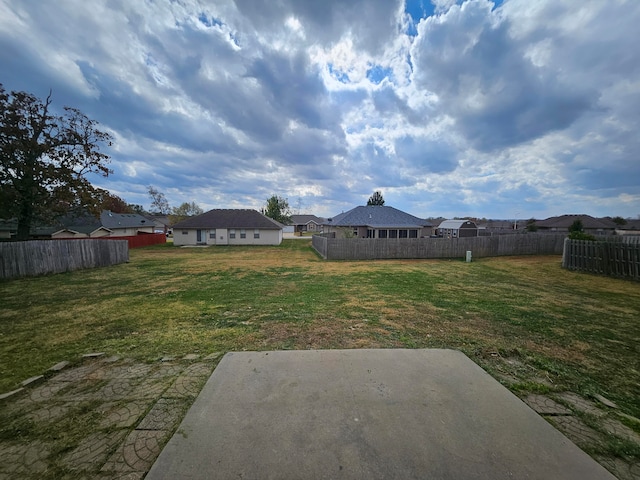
x: 565, y: 253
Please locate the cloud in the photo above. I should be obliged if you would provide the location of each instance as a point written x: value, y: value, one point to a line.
x: 450, y: 107
x: 482, y: 78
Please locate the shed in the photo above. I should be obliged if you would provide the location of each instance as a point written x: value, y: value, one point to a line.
x: 457, y: 229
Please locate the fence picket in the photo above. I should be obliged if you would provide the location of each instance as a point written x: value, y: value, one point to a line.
x: 613, y: 257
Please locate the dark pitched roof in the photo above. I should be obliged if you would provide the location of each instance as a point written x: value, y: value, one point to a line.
x: 630, y: 225
x: 378, y: 216
x: 229, y: 218
x: 112, y: 220
x: 565, y: 221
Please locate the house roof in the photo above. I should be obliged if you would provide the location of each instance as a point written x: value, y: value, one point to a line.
x: 305, y: 219
x: 565, y: 221
x: 630, y: 225
x: 10, y: 225
x: 378, y: 216
x: 457, y: 224
x: 229, y: 218
x: 112, y: 220
x: 87, y: 229
x: 159, y: 220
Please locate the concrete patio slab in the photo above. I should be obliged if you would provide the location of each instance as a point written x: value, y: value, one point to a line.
x: 356, y: 414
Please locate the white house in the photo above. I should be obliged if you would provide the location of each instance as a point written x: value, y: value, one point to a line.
x: 228, y: 227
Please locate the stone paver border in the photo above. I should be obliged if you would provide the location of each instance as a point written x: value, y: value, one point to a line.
x: 130, y: 408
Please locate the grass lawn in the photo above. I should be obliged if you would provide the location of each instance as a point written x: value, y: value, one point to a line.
x: 531, y: 324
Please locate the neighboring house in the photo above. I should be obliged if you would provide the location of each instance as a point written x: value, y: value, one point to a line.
x: 632, y: 227
x: 307, y: 223
x: 161, y: 223
x: 125, y: 224
x: 82, y: 231
x: 561, y: 224
x: 377, y: 221
x: 457, y: 229
x: 500, y: 227
x: 8, y: 229
x: 228, y: 227
x: 109, y: 224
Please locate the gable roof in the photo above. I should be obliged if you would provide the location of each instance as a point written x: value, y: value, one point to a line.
x: 565, y: 221
x: 229, y: 218
x: 457, y: 224
x: 112, y: 220
x: 378, y: 216
x: 305, y: 219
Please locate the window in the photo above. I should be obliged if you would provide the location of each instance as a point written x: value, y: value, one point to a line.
x: 413, y: 233
x: 393, y: 233
x: 232, y: 233
x: 403, y: 234
x: 185, y: 232
x: 256, y: 233
x: 243, y: 233
x: 212, y: 235
x: 382, y: 234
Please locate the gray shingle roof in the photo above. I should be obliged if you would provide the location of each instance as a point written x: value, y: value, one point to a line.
x: 377, y: 216
x: 565, y: 221
x: 123, y: 220
x: 229, y: 218
x: 304, y: 219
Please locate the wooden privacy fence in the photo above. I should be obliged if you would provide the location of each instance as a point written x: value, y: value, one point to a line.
x: 613, y: 257
x: 39, y: 257
x: 135, y: 241
x: 385, y: 248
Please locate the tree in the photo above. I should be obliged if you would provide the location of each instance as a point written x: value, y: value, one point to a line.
x: 139, y: 209
x: 576, y: 231
x: 376, y: 199
x: 576, y: 226
x: 531, y: 225
x: 184, y: 211
x: 159, y: 203
x: 619, y: 221
x: 114, y: 203
x: 44, y: 159
x: 278, y: 209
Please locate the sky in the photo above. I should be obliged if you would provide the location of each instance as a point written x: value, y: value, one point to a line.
x: 507, y: 109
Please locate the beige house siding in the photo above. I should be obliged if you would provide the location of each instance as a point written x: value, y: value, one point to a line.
x: 129, y: 231
x: 223, y: 236
x: 67, y: 234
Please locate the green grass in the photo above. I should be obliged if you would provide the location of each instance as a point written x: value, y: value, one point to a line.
x: 531, y: 324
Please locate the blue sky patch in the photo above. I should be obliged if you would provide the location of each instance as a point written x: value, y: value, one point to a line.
x: 338, y: 74
x: 417, y: 10
x: 208, y: 21
x: 377, y: 73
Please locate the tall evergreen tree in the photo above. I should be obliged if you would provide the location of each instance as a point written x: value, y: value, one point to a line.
x: 376, y: 198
